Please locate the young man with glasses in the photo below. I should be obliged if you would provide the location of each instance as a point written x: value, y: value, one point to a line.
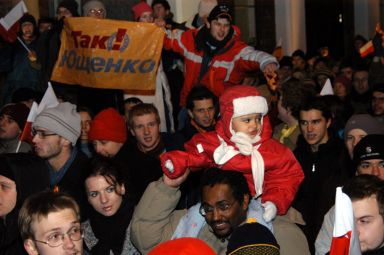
x: 55, y: 132
x: 50, y: 224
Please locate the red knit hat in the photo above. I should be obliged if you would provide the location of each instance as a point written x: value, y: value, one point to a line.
x: 183, y: 246
x: 140, y: 8
x: 108, y: 125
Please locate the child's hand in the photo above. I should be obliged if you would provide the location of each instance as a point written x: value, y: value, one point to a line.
x: 175, y: 183
x: 270, y: 211
x: 174, y: 163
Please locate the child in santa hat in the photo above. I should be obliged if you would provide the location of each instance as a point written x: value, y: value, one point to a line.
x: 242, y: 142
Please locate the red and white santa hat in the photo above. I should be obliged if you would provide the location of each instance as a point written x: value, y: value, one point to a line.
x: 239, y: 101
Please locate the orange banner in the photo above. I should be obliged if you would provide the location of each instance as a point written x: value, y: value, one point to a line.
x: 104, y: 53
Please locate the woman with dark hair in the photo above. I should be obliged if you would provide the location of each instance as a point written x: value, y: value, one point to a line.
x: 107, y: 231
x: 21, y: 175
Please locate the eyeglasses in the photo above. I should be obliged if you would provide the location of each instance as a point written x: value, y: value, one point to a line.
x: 96, y: 12
x: 222, y: 206
x: 57, y: 239
x: 41, y: 133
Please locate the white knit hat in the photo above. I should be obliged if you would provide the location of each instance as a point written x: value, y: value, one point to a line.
x: 63, y: 120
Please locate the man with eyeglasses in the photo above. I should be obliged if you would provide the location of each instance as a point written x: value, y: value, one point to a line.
x: 55, y: 133
x: 225, y: 198
x: 224, y: 203
x: 50, y: 224
x: 94, y: 9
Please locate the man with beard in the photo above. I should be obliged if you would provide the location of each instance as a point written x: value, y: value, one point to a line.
x: 225, y: 198
x: 55, y: 132
x: 214, y: 55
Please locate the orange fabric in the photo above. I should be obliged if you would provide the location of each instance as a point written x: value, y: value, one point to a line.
x: 104, y: 53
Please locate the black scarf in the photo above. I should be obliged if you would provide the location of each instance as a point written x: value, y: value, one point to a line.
x: 111, y: 231
x: 204, y: 41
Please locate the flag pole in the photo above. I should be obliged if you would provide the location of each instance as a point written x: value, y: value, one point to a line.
x: 22, y: 43
x: 18, y: 146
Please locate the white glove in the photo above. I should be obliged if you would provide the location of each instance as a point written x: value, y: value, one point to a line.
x: 270, y: 211
x: 169, y: 166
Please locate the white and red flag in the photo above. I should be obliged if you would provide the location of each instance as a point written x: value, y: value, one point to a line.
x: 367, y: 49
x: 49, y: 100
x: 345, y: 240
x: 9, y: 24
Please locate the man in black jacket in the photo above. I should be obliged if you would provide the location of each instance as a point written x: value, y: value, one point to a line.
x: 55, y: 132
x: 318, y: 153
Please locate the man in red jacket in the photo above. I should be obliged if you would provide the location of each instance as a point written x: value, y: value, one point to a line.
x: 214, y: 55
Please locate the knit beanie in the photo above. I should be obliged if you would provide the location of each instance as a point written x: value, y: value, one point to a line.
x: 370, y: 147
x: 70, y: 5
x: 220, y: 11
x: 140, y: 8
x: 378, y: 88
x: 62, y: 119
x: 365, y: 122
x: 18, y: 112
x: 28, y: 18
x: 206, y: 6
x: 108, y: 125
x: 93, y: 4
x: 252, y: 238
x: 164, y: 3
x: 183, y: 246
x: 5, y: 170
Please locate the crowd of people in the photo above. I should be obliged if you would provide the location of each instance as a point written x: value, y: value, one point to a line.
x: 237, y: 152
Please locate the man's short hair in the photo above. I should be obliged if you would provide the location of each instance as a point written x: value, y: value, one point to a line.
x: 40, y: 205
x: 164, y: 3
x: 200, y: 93
x: 299, y: 53
x: 142, y: 109
x: 317, y: 103
x: 233, y: 179
x: 294, y: 94
x: 364, y: 186
x: 133, y: 100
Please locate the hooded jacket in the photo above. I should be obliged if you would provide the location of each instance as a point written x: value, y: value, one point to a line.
x: 280, y: 172
x: 226, y: 67
x: 30, y: 176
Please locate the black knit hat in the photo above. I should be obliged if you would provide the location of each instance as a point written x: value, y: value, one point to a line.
x: 70, y: 5
x: 164, y: 3
x: 252, y: 238
x: 379, y: 87
x: 370, y: 147
x: 28, y: 18
x: 220, y: 11
x: 18, y: 112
